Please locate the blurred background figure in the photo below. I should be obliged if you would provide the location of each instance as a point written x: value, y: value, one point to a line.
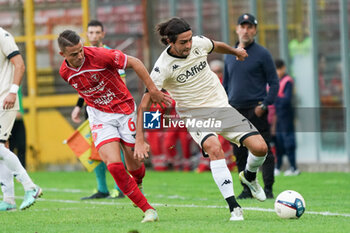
x: 155, y: 139
x: 171, y: 136
x: 285, y: 132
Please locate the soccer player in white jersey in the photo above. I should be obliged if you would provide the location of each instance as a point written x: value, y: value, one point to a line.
x: 182, y: 69
x: 93, y: 72
x: 11, y: 73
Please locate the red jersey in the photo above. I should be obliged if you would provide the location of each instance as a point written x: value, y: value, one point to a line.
x: 97, y: 80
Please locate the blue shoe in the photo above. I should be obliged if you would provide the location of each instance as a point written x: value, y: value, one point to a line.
x: 30, y: 197
x: 4, y: 206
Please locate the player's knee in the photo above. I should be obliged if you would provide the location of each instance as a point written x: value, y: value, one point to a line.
x: 259, y: 149
x: 215, y: 152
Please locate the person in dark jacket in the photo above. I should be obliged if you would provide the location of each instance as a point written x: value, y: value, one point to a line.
x: 285, y: 133
x: 245, y: 83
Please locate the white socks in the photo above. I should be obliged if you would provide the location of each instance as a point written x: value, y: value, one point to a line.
x: 7, y: 185
x: 222, y: 177
x: 254, y: 162
x: 11, y: 161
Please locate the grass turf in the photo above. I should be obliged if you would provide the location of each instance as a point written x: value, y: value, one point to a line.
x: 186, y: 202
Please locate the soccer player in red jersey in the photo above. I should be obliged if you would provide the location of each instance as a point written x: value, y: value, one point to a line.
x: 93, y: 72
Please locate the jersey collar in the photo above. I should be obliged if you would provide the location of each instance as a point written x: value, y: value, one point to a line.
x: 75, y: 69
x: 172, y: 55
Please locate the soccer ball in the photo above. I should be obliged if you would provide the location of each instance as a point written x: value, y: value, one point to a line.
x: 289, y: 204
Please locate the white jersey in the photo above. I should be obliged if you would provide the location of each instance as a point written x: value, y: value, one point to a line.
x: 8, y: 49
x: 189, y: 80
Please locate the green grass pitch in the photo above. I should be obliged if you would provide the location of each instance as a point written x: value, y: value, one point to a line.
x: 186, y: 202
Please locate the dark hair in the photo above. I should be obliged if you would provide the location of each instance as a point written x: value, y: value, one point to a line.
x: 68, y: 38
x: 95, y: 23
x: 279, y: 63
x: 171, y: 29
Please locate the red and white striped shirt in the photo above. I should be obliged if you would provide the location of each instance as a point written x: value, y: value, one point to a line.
x: 97, y: 80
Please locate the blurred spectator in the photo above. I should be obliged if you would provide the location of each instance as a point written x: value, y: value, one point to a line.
x: 155, y: 138
x: 285, y: 133
x: 336, y: 85
x: 171, y: 136
x: 163, y: 144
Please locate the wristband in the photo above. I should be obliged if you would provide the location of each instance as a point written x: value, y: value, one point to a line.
x: 14, y: 88
x: 263, y: 107
x: 80, y: 102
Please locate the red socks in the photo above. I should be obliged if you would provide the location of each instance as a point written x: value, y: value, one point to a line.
x: 128, y: 185
x: 138, y: 174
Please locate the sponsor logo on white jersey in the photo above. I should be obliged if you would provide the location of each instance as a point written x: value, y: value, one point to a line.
x: 191, y: 72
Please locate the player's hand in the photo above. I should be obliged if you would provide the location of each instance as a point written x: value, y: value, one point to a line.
x: 9, y: 101
x: 141, y: 150
x: 259, y: 111
x: 241, y: 54
x: 159, y: 97
x: 76, y: 115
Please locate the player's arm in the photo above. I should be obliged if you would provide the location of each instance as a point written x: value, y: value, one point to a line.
x: 221, y: 47
x: 141, y: 147
x: 18, y: 63
x: 156, y: 95
x: 77, y: 109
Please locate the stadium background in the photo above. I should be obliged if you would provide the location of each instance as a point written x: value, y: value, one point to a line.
x: 323, y: 118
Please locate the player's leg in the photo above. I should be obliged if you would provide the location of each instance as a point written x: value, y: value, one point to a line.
x: 256, y: 157
x: 11, y: 161
x: 241, y: 131
x: 135, y: 168
x: 17, y: 140
x: 221, y: 174
x: 289, y: 144
x: 102, y: 190
x: 107, y: 140
x: 116, y: 191
x: 110, y: 153
x: 7, y: 188
x: 279, y: 150
x: 262, y: 124
x: 241, y: 154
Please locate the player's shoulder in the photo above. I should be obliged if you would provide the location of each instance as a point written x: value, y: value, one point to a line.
x: 94, y: 54
x: 63, y: 69
x: 200, y: 41
x: 164, y: 59
x: 4, y: 35
x: 3, y: 32
x: 199, y: 38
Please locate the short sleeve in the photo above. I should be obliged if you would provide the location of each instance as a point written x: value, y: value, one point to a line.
x: 8, y: 45
x: 115, y: 58
x: 158, y: 76
x: 205, y: 43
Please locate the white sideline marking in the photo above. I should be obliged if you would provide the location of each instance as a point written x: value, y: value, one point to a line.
x: 326, y: 213
x: 187, y: 206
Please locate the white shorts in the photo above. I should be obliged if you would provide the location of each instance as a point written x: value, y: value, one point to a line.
x: 233, y: 126
x: 7, y: 119
x: 108, y: 127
